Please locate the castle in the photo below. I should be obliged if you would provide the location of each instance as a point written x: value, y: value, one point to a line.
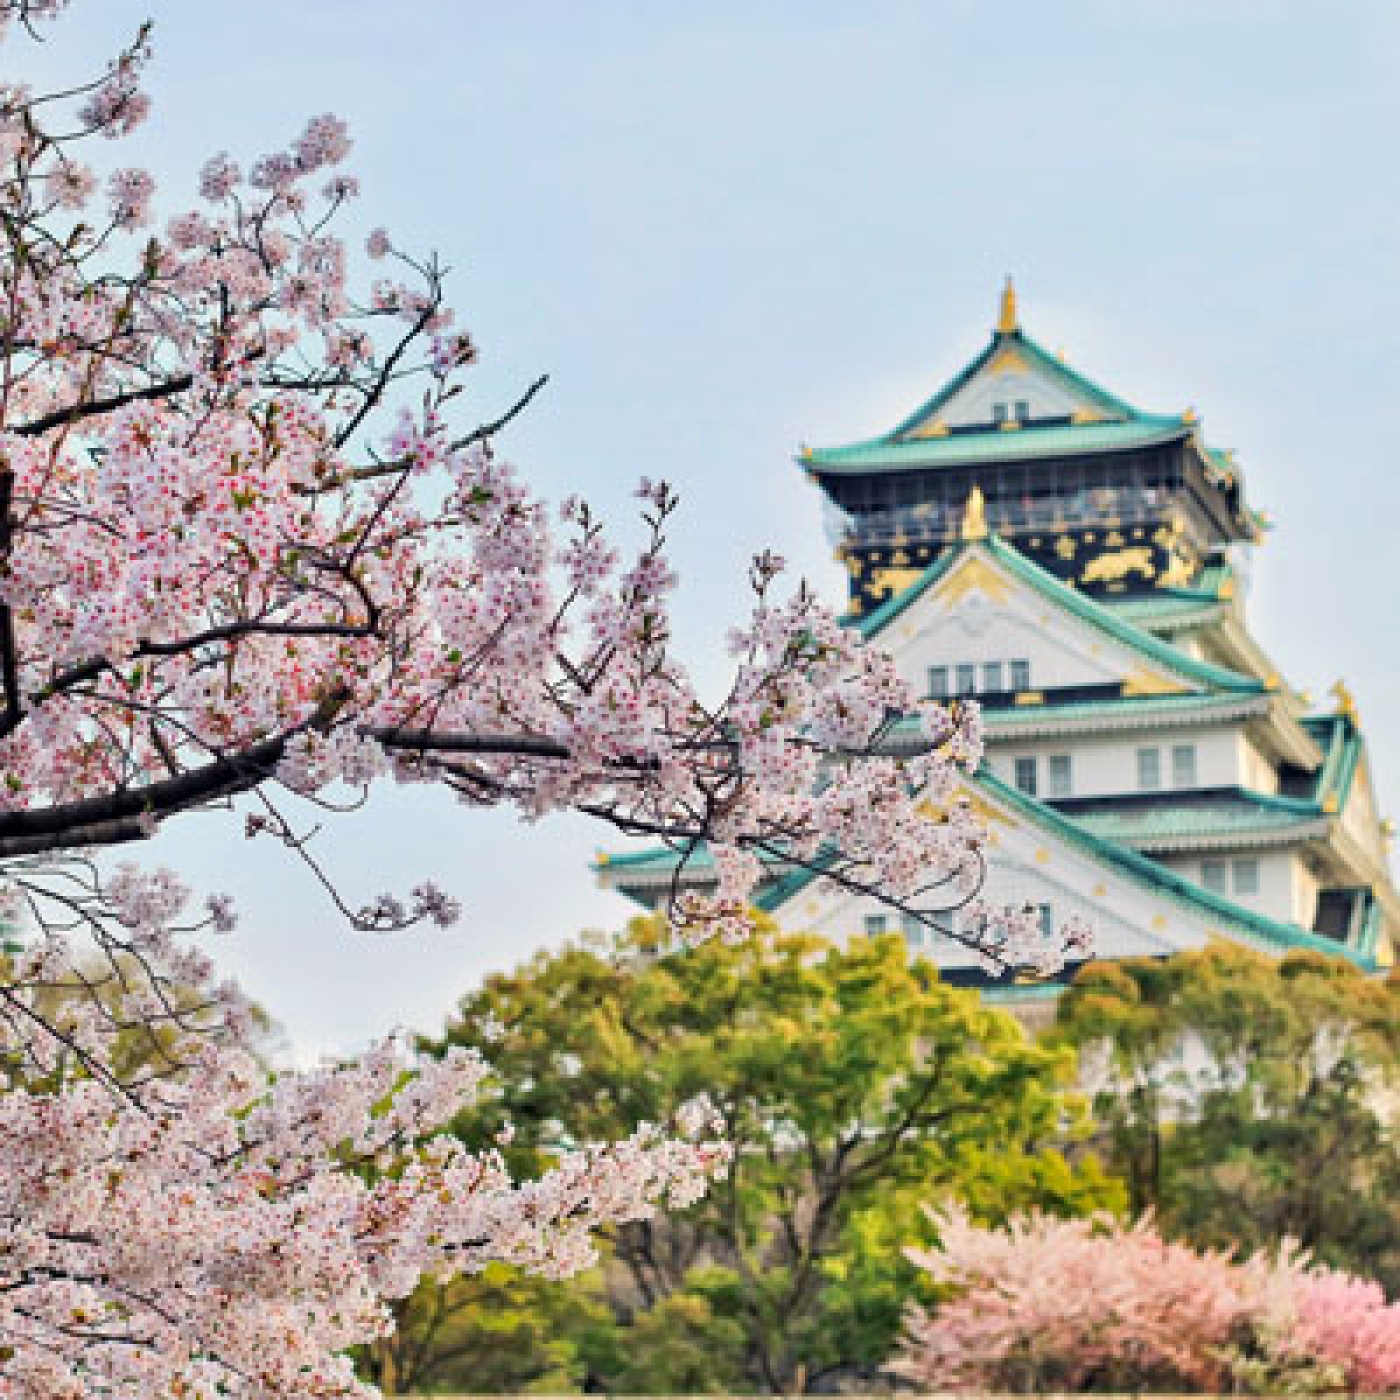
x: 1079, y: 566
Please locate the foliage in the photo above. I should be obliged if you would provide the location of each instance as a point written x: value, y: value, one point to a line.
x: 500, y: 1331
x: 246, y: 551
x: 1244, y: 1098
x: 1093, y: 1305
x: 849, y: 1082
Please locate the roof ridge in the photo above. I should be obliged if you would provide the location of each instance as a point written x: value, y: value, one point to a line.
x: 1081, y: 381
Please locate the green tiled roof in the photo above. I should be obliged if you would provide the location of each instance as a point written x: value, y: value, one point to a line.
x: 1122, y: 426
x: 1342, y: 746
x: 1105, y: 619
x: 1140, y: 869
x: 989, y: 448
x: 1191, y: 706
x: 1166, y: 604
x: 657, y: 858
x: 1234, y: 813
x: 1155, y: 707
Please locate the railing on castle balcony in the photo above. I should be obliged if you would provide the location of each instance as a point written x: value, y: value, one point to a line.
x: 931, y: 522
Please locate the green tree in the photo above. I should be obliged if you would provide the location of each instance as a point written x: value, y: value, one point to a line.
x: 854, y: 1086
x: 1245, y: 1098
x: 501, y: 1331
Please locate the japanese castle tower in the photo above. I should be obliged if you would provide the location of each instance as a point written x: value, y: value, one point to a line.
x: 1078, y: 566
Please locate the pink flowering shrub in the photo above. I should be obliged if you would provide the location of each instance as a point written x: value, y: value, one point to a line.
x: 1096, y: 1305
x: 1347, y: 1322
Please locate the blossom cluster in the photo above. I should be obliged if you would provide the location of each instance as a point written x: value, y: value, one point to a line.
x: 237, y: 554
x: 245, y: 547
x: 1051, y: 1304
x: 174, y: 1219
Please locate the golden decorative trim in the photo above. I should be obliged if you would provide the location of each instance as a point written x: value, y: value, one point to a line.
x: 893, y: 581
x: 1141, y: 681
x: 936, y: 428
x: 1346, y: 704
x: 1006, y: 361
x: 972, y: 799
x: 1178, y: 572
x: 1330, y: 804
x: 1159, y: 922
x: 1011, y: 425
x: 1042, y: 856
x: 1189, y: 416
x: 1100, y: 891
x: 974, y: 574
x: 974, y: 521
x: 1081, y: 416
x: 1065, y: 547
x: 1113, y: 566
x: 1029, y: 697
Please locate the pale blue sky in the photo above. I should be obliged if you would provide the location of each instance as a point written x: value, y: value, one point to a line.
x: 730, y: 227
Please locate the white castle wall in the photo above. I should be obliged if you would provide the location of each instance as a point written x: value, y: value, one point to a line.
x: 1107, y: 765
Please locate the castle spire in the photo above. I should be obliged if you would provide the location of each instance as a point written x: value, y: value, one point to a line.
x: 1006, y: 321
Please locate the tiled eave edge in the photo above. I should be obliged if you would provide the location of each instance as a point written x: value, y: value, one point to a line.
x: 1027, y: 722
x: 1168, y: 843
x: 1167, y: 623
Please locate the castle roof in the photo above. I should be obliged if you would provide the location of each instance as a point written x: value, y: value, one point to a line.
x: 1068, y: 415
x: 1108, y: 621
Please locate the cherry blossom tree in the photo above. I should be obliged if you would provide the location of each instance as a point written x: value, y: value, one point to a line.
x: 248, y: 550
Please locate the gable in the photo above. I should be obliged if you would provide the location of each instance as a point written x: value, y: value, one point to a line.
x: 979, y: 612
x: 1013, y: 379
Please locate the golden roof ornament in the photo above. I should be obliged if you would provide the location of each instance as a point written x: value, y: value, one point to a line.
x: 974, y: 521
x: 1006, y: 320
x: 1346, y: 704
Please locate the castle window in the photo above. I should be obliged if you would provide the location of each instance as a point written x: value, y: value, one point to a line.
x: 1025, y: 775
x: 1214, y: 875
x: 1183, y: 765
x: 1061, y: 777
x: 1047, y: 919
x: 1023, y: 410
x: 991, y: 677
x: 874, y: 925
x: 1020, y: 675
x: 913, y: 930
x: 967, y: 679
x: 1149, y: 766
x: 998, y: 413
x: 937, y: 682
x: 1246, y: 873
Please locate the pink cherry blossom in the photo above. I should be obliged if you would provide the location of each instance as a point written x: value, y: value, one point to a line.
x: 248, y: 549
